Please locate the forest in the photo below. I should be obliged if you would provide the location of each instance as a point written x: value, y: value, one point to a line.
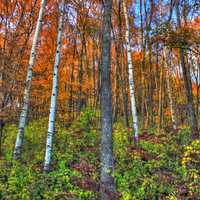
x: 99, y: 99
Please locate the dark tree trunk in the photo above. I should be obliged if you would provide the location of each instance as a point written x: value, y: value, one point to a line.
x: 116, y: 104
x: 143, y: 47
x: 2, y: 124
x: 80, y: 81
x: 148, y: 18
x: 123, y: 78
x: 107, y: 165
x: 188, y: 84
x: 150, y: 89
x: 188, y: 87
x: 94, y: 73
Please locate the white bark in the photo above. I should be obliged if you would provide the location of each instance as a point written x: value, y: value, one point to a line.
x: 169, y: 91
x: 130, y: 73
x: 54, y: 95
x: 24, y: 112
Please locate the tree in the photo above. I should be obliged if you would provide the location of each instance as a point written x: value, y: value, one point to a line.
x: 25, y: 107
x: 13, y: 49
x: 131, y: 80
x: 187, y: 82
x: 52, y: 115
x: 107, y: 163
x: 168, y: 60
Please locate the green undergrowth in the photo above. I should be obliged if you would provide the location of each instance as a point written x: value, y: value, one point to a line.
x: 164, y: 165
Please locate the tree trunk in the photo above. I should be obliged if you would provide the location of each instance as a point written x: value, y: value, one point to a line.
x: 131, y: 81
x: 2, y: 124
x: 117, y: 96
x: 24, y: 112
x: 188, y: 84
x: 94, y: 72
x: 51, y: 125
x: 150, y: 88
x: 80, y: 81
x: 143, y: 48
x: 107, y: 188
x: 168, y: 59
x: 116, y: 104
x: 120, y: 62
x: 160, y: 110
x: 70, y: 100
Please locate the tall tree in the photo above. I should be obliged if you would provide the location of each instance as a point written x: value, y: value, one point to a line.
x: 107, y: 164
x: 52, y: 115
x: 168, y: 60
x: 187, y: 81
x: 160, y: 105
x: 25, y: 107
x: 143, y: 49
x: 131, y: 80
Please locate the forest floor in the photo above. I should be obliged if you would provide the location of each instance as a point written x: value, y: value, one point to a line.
x: 165, y: 164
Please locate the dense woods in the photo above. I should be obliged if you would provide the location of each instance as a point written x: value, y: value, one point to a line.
x: 99, y: 99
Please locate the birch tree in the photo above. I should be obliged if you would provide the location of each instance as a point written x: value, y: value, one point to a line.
x: 130, y: 76
x: 51, y: 124
x: 107, y: 164
x: 25, y: 107
x: 168, y: 62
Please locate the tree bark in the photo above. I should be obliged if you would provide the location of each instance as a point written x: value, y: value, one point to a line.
x: 107, y: 187
x: 168, y: 59
x: 143, y: 49
x: 131, y: 80
x: 24, y: 112
x: 160, y: 110
x: 51, y: 125
x: 187, y: 83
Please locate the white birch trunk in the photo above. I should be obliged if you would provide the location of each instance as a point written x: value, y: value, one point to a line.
x: 170, y: 100
x: 51, y: 124
x: 169, y: 91
x: 24, y: 112
x: 131, y: 81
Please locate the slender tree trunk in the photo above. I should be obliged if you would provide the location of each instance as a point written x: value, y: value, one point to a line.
x: 188, y: 84
x: 148, y: 19
x: 131, y: 81
x: 2, y: 90
x: 124, y: 78
x: 24, y: 112
x: 1, y: 105
x: 80, y: 80
x: 195, y: 65
x: 150, y: 88
x: 157, y: 66
x: 125, y: 105
x: 107, y: 164
x: 169, y: 90
x: 2, y: 124
x: 117, y: 100
x: 121, y: 65
x: 51, y: 125
x: 143, y: 48
x: 94, y: 72
x: 116, y: 104
x: 98, y: 84
x: 70, y: 101
x: 160, y: 110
